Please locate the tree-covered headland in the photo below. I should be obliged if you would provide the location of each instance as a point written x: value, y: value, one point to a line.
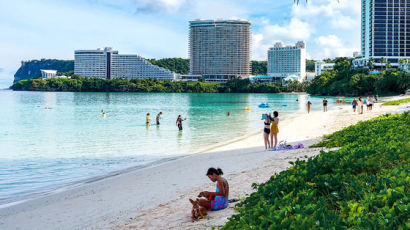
x: 345, y: 80
x: 83, y: 84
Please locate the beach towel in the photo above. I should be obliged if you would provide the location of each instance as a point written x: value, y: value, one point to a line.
x: 284, y: 146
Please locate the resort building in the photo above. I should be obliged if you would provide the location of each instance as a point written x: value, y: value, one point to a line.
x: 321, y: 67
x: 48, y: 73
x: 285, y: 61
x: 385, y: 26
x: 107, y: 63
x: 219, y: 50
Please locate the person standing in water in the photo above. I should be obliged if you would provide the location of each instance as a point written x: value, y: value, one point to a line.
x: 324, y: 105
x: 158, y: 118
x: 308, y: 106
x: 179, y: 122
x: 274, y: 130
x: 148, y: 120
x: 103, y: 113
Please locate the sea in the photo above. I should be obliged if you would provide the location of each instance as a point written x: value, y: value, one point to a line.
x: 51, y: 140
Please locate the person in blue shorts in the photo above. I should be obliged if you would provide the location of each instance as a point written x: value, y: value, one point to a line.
x: 217, y: 200
x: 354, y: 105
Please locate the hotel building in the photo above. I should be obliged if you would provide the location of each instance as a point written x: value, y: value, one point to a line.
x: 287, y: 61
x: 219, y: 50
x: 48, y: 73
x: 385, y: 31
x: 107, y: 63
x: 321, y: 67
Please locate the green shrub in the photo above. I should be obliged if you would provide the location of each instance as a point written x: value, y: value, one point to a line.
x: 363, y: 185
x: 397, y: 102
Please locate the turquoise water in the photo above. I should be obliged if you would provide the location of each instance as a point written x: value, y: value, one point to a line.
x: 53, y: 139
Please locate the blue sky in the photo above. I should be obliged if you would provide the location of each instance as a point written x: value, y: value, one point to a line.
x: 35, y: 29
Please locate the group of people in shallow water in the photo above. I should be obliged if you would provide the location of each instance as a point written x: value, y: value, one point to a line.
x: 158, y: 118
x: 271, y: 130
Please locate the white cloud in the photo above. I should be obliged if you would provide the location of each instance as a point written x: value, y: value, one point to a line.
x: 342, y: 14
x: 331, y: 46
x: 152, y: 5
x: 313, y: 22
x: 293, y: 31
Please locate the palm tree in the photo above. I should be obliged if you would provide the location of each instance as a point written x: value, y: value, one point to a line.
x: 382, y: 61
x: 370, y: 63
x: 403, y: 61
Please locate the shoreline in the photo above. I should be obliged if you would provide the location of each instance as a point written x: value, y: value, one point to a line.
x: 8, y: 202
x: 169, y: 216
x: 110, y: 202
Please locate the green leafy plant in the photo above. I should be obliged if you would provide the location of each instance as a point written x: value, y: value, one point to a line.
x: 397, y: 102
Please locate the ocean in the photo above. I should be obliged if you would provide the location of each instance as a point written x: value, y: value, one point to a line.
x: 49, y: 140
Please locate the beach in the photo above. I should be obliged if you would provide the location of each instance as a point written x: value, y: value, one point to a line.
x: 156, y: 197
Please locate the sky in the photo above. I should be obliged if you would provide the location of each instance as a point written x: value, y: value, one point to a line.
x: 35, y: 29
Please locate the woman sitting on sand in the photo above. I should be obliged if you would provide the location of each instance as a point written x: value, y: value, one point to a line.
x: 217, y: 200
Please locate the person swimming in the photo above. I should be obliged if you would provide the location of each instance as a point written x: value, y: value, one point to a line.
x: 219, y: 199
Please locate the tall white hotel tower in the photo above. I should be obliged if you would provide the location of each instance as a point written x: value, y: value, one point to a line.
x: 219, y: 50
x: 385, y: 30
x: 286, y: 61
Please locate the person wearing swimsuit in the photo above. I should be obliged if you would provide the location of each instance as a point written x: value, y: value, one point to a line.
x: 274, y: 130
x: 179, y: 122
x: 266, y: 130
x: 158, y: 118
x: 324, y: 105
x: 148, y: 119
x: 354, y: 104
x: 219, y: 199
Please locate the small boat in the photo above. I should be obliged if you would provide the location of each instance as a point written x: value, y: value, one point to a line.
x: 264, y: 105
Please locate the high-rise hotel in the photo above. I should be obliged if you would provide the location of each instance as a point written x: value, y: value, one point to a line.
x: 385, y: 30
x: 287, y: 61
x: 107, y: 63
x: 219, y: 50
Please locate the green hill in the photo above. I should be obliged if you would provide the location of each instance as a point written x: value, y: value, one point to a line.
x: 31, y: 69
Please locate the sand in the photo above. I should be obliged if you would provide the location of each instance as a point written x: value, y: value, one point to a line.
x: 156, y: 197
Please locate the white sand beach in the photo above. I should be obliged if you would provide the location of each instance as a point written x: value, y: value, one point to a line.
x: 156, y: 197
